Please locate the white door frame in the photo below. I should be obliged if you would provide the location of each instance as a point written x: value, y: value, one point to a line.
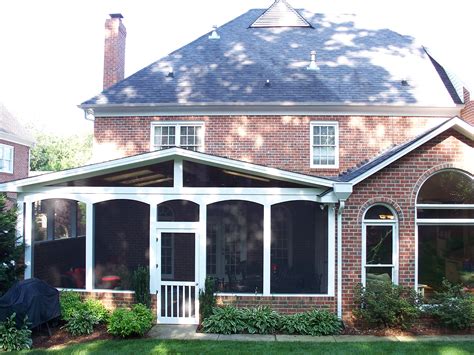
x: 177, y: 227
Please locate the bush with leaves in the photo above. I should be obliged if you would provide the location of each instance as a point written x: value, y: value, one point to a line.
x: 452, y: 307
x: 382, y: 303
x: 96, y: 309
x: 260, y: 320
x: 11, y: 247
x: 127, y: 323
x: 225, y: 320
x: 82, y: 322
x: 70, y: 302
x: 315, y: 322
x: 141, y: 285
x: 207, y: 299
x: 13, y: 338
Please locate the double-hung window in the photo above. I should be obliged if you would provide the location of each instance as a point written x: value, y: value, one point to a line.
x: 324, y: 144
x: 6, y: 159
x: 188, y: 135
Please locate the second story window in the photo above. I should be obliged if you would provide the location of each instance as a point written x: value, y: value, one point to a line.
x: 189, y: 135
x: 6, y: 159
x: 324, y: 145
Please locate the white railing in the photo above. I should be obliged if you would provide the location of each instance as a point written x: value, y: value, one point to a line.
x: 178, y: 301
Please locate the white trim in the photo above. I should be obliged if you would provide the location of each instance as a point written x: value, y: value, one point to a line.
x: 445, y: 221
x: 426, y: 206
x: 267, y: 243
x: 270, y: 108
x: 28, y: 240
x: 331, y: 249
x: 159, y: 156
x: 101, y: 290
x: 177, y: 125
x: 15, y: 139
x: 89, y: 246
x: 334, y: 124
x: 456, y: 123
x: 276, y: 295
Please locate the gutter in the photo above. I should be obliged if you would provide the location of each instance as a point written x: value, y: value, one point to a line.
x: 342, y: 190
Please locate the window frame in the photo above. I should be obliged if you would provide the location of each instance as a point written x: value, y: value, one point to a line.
x: 6, y: 147
x: 334, y: 124
x: 395, y: 243
x: 177, y: 126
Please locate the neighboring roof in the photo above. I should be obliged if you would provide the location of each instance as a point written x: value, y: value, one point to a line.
x: 370, y: 167
x: 280, y: 14
x: 358, y: 66
x: 11, y: 130
x: 145, y: 159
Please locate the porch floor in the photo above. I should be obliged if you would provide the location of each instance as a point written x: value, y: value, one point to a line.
x: 188, y: 332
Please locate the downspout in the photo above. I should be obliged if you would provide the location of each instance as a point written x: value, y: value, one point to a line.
x: 342, y: 204
x: 342, y: 191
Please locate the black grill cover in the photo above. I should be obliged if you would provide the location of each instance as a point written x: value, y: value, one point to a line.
x: 33, y: 298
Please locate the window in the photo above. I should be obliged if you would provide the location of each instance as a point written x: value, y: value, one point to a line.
x: 379, y: 245
x: 445, y: 222
x: 189, y: 135
x: 324, y: 145
x: 6, y: 159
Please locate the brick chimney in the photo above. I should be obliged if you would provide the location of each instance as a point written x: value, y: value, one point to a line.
x: 114, y: 50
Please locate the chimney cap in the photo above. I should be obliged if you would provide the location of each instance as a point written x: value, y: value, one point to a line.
x: 118, y: 15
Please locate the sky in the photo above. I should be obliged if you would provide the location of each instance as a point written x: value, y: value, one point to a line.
x: 51, y: 51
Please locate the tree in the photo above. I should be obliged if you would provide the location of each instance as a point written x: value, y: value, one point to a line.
x: 54, y: 153
x: 11, y: 247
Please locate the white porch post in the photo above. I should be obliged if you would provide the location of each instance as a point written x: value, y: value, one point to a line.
x: 153, y: 248
x: 201, y: 263
x: 178, y: 173
x: 267, y: 211
x: 331, y: 248
x: 20, y: 216
x: 28, y: 240
x: 89, y: 246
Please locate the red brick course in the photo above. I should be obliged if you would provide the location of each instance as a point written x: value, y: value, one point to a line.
x: 277, y: 141
x: 114, y: 51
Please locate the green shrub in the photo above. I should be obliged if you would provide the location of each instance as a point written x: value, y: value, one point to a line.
x: 315, y: 322
x: 81, y: 322
x: 12, y: 338
x: 135, y: 322
x: 384, y: 304
x: 141, y: 285
x: 261, y: 320
x: 225, y: 320
x: 70, y: 303
x: 207, y: 300
x: 452, y: 307
x: 97, y: 309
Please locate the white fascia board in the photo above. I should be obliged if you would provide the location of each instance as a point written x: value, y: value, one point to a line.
x: 456, y: 123
x: 15, y: 139
x: 260, y: 109
x: 158, y: 156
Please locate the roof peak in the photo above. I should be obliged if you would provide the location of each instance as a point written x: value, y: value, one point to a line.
x: 280, y: 14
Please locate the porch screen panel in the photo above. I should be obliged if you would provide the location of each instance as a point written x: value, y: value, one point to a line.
x: 235, y: 246
x: 299, y: 248
x: 178, y: 211
x: 121, y: 242
x: 59, y: 242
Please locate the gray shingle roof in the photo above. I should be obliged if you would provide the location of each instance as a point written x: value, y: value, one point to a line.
x: 9, y: 125
x: 357, y: 66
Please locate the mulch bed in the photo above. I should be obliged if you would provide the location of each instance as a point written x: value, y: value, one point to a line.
x: 60, y: 337
x: 421, y: 329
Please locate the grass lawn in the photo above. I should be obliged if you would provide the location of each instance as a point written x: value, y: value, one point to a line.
x: 147, y: 346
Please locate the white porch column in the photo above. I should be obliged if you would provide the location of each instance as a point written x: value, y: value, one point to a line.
x: 89, y: 246
x: 331, y: 248
x: 20, y: 216
x: 178, y: 173
x: 267, y: 218
x: 201, y: 263
x: 153, y: 249
x: 28, y: 240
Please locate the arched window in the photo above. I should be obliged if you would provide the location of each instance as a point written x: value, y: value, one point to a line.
x: 445, y: 222
x: 380, y: 245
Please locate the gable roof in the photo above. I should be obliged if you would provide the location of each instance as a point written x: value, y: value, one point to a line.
x: 11, y: 130
x: 370, y: 167
x: 280, y: 14
x: 149, y: 158
x: 358, y: 66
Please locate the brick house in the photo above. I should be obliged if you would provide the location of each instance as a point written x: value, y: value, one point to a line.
x: 15, y: 145
x: 287, y: 155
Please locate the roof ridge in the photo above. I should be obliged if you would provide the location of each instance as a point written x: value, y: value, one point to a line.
x: 273, y: 17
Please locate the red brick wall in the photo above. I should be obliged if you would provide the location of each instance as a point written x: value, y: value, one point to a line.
x: 20, y: 164
x: 467, y: 113
x: 277, y: 141
x: 113, y: 300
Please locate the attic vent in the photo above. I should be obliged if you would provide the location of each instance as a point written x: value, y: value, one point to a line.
x: 267, y: 83
x: 214, y: 34
x: 312, y: 64
x: 170, y: 73
x: 405, y: 82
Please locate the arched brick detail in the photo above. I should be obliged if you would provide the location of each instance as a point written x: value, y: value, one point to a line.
x: 380, y: 200
x: 430, y: 172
